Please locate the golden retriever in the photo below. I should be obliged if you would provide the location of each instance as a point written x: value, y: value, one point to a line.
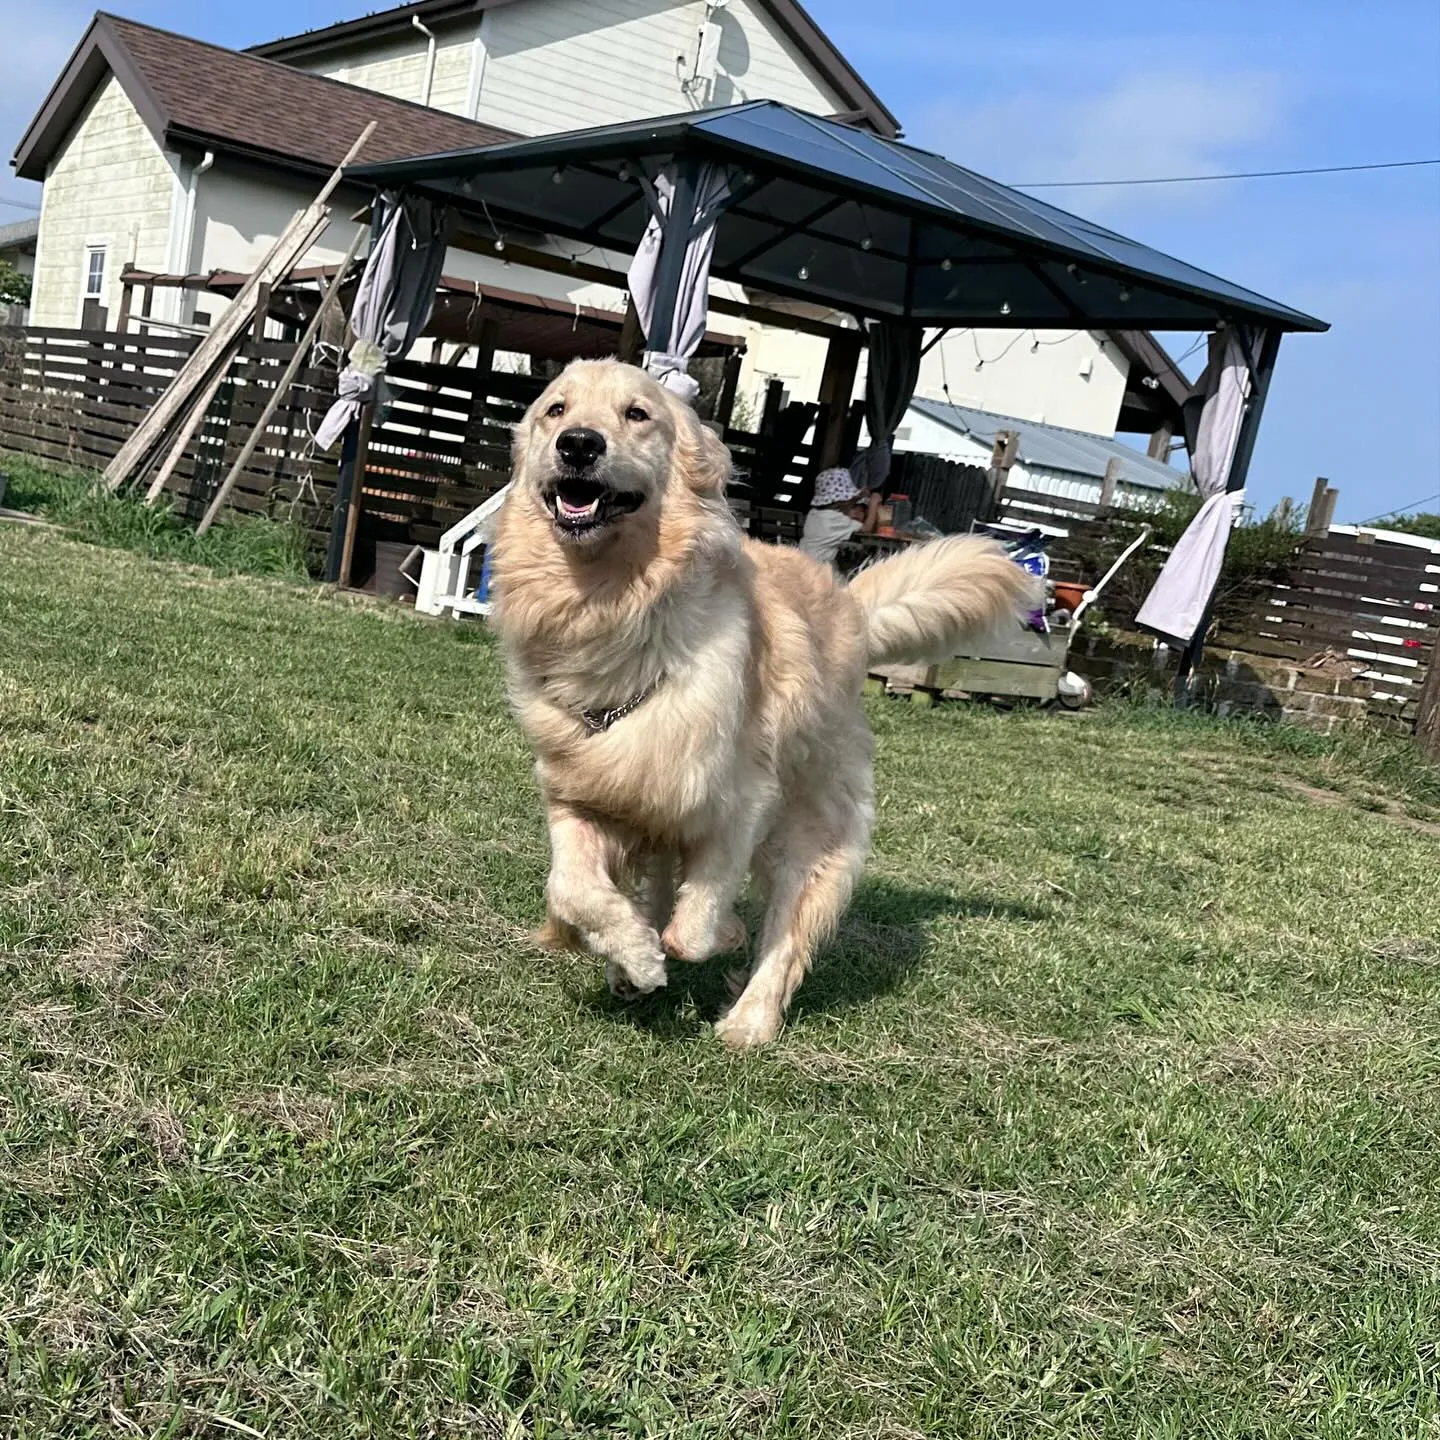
x: 693, y: 696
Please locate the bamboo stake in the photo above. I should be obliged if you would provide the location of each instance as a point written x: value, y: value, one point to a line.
x: 302, y: 350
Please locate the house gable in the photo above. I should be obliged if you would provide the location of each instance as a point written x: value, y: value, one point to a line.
x: 109, y: 190
x: 196, y: 96
x: 547, y: 65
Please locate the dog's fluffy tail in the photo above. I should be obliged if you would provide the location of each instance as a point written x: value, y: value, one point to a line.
x: 920, y: 604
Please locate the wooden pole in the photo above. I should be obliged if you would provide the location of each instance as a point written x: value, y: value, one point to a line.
x: 1313, y: 525
x: 302, y: 232
x: 729, y: 385
x: 287, y: 378
x: 1002, y: 457
x: 1111, y: 480
x: 357, y: 494
x: 1427, y: 723
x: 187, y: 430
x: 298, y: 236
x: 837, y: 384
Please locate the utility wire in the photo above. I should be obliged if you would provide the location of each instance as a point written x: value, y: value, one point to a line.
x: 19, y: 204
x: 1403, y: 509
x: 1234, y: 175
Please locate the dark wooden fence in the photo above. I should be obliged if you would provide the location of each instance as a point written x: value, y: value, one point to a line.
x: 1368, y: 608
x: 444, y: 446
x: 1365, y: 608
x: 951, y: 496
x: 75, y: 396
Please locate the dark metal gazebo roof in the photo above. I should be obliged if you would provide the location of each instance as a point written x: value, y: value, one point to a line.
x: 841, y: 217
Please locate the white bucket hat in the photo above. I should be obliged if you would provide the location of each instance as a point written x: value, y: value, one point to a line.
x: 833, y: 486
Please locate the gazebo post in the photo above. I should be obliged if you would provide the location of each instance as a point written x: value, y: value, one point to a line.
x: 670, y: 269
x: 837, y: 383
x: 1263, y: 369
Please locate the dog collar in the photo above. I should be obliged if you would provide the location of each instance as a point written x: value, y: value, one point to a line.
x: 599, y: 721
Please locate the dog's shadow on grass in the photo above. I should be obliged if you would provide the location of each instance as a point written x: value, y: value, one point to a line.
x: 881, y: 944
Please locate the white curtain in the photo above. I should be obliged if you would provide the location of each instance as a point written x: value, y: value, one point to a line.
x: 1176, y: 603
x: 687, y: 328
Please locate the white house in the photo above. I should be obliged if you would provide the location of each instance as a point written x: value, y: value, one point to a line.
x: 17, y: 244
x: 177, y: 156
x: 1050, y: 459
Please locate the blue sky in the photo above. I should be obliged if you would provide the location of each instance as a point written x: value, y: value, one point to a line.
x: 1044, y: 90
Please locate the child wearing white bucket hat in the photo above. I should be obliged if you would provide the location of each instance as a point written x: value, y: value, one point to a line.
x: 839, y: 510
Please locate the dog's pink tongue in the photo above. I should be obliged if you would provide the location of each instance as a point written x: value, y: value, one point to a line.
x: 578, y: 510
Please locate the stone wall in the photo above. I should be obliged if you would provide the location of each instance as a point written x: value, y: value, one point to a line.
x: 1230, y: 682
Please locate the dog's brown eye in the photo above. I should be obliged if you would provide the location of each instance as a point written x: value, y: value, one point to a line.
x: 636, y: 414
x: 556, y: 410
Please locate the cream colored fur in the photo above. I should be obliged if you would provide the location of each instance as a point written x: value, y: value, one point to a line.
x: 750, y: 754
x: 920, y: 604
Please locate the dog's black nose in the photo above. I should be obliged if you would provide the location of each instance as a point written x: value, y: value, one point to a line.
x: 580, y: 447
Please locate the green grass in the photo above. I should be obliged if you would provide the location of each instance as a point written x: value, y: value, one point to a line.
x: 69, y: 497
x: 1111, y: 1112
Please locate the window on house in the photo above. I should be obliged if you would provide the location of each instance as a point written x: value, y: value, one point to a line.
x: 95, y: 272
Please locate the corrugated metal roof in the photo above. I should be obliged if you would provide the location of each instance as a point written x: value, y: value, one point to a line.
x: 1052, y: 447
x: 19, y: 232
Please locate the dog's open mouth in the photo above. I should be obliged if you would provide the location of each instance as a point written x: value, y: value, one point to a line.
x: 582, y: 505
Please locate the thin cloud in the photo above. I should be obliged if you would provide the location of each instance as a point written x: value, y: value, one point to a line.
x: 1144, y: 125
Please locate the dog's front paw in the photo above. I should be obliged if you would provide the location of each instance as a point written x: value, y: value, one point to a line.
x: 692, y: 943
x: 631, y: 978
x: 748, y: 1024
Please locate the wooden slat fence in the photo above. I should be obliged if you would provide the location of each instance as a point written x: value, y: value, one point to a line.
x: 75, y: 396
x: 1370, y: 607
x: 444, y: 446
x: 950, y: 495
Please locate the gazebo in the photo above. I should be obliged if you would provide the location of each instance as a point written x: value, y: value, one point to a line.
x: 794, y: 206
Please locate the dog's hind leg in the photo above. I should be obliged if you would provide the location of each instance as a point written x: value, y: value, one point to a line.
x: 582, y: 895
x: 809, y: 864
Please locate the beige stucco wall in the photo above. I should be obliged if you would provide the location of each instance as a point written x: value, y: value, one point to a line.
x: 110, y: 184
x: 1066, y: 377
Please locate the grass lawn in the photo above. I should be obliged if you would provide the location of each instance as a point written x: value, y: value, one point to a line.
x: 1112, y: 1111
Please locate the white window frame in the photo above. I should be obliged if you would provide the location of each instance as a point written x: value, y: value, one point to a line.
x: 97, y: 245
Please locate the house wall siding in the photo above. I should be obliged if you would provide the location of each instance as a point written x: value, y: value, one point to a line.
x: 556, y: 65
x: 397, y: 68
x: 110, y: 184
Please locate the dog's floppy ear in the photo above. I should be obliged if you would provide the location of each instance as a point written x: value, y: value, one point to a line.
x: 520, y: 437
x: 701, y: 458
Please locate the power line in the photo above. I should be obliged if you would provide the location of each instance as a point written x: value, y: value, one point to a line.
x: 1403, y: 509
x: 19, y: 204
x: 1233, y: 175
